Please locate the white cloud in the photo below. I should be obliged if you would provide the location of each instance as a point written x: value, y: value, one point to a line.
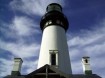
x: 90, y: 43
x: 89, y: 38
x: 23, y: 26
x: 77, y: 67
x: 20, y: 49
x: 5, y: 67
x: 33, y: 6
x: 30, y: 65
x: 19, y: 26
x: 98, y: 49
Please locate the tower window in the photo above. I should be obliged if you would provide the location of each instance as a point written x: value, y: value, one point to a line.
x: 50, y: 22
x: 58, y: 22
x: 86, y: 61
x: 46, y: 23
x: 53, y: 59
x: 61, y: 23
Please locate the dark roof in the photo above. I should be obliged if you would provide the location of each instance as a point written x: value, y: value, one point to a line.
x: 85, y: 76
x: 42, y: 71
x: 10, y: 76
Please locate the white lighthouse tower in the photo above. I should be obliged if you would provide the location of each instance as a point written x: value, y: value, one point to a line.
x: 54, y: 48
x: 54, y: 61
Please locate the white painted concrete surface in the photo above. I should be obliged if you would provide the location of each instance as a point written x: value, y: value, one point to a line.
x: 86, y: 66
x: 54, y: 38
x: 17, y: 64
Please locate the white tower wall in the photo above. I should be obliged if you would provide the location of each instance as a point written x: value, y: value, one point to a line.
x: 54, y: 38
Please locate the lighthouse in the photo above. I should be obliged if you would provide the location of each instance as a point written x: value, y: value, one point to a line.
x: 54, y: 48
x: 54, y: 60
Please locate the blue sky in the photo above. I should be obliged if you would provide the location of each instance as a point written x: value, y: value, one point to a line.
x: 20, y: 34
